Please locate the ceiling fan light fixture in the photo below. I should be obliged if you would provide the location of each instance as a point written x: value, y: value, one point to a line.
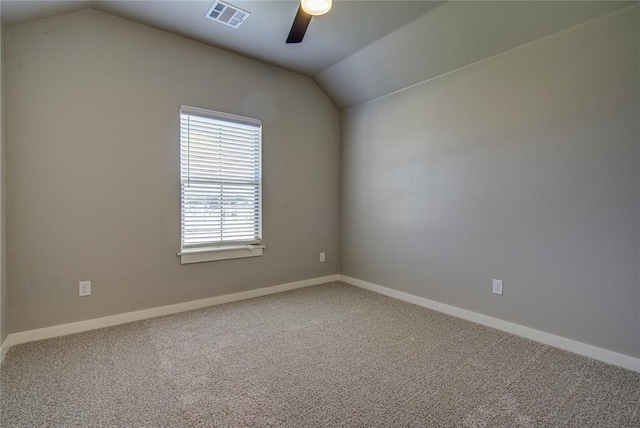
x: 316, y: 7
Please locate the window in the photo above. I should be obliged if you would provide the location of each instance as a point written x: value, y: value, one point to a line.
x: 220, y: 186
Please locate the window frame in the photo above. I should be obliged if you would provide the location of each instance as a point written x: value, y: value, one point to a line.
x: 231, y: 250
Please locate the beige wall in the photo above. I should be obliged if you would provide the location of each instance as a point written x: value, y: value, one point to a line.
x: 92, y: 107
x: 4, y: 310
x: 525, y: 168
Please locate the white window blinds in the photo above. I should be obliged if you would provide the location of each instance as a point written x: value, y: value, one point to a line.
x: 221, y: 179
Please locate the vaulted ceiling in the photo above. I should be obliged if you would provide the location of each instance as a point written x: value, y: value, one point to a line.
x: 360, y: 50
x: 348, y: 27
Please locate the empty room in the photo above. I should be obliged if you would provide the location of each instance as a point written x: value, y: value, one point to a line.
x: 316, y: 213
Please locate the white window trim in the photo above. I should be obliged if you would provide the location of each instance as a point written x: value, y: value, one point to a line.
x: 231, y: 251
x: 210, y: 254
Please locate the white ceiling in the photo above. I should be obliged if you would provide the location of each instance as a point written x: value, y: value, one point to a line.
x: 348, y: 27
x: 19, y: 12
x: 360, y: 50
x: 454, y: 35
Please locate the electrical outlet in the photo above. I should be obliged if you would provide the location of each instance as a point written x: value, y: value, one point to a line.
x: 84, y: 288
x: 322, y: 257
x: 497, y: 286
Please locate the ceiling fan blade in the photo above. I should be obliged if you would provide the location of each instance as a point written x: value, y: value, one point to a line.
x: 299, y: 27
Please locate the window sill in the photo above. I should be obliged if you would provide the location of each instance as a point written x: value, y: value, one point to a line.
x: 201, y: 255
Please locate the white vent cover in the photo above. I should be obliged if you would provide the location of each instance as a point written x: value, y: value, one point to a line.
x: 227, y: 14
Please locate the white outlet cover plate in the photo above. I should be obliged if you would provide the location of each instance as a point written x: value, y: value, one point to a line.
x: 84, y: 288
x: 322, y: 257
x: 497, y: 286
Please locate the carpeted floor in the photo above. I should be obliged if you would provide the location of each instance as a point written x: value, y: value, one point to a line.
x: 329, y: 355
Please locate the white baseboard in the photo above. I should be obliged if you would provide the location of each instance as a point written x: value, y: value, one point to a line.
x: 605, y: 355
x: 80, y: 326
x: 611, y: 357
x: 5, y: 347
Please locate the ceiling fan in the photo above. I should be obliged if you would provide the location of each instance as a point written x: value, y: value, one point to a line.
x: 307, y: 10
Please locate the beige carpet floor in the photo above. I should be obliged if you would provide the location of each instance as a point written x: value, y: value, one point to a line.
x: 329, y: 355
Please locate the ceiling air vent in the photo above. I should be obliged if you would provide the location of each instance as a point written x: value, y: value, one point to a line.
x: 227, y: 14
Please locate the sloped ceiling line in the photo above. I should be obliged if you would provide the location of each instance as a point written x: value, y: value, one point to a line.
x: 361, y: 50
